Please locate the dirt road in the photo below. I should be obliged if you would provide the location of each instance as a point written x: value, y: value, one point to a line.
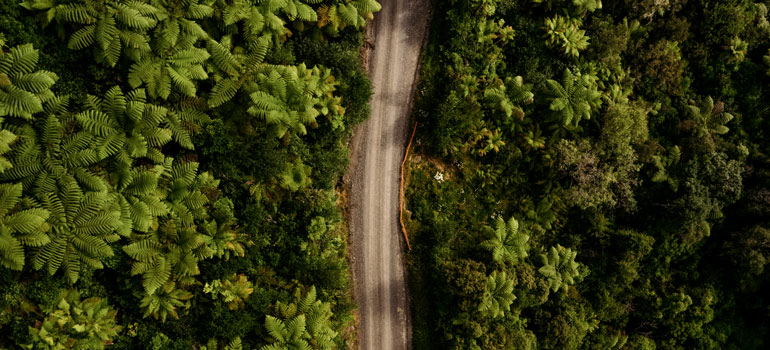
x: 377, y: 244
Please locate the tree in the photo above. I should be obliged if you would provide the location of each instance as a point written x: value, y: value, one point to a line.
x: 566, y: 32
x: 46, y: 149
x: 288, y: 335
x: 335, y: 17
x: 19, y: 227
x: 663, y: 164
x: 234, y: 290
x: 296, y: 176
x: 173, y: 250
x: 177, y: 22
x: 738, y: 49
x: 233, y: 67
x: 303, y: 324
x: 82, y: 224
x: 575, y: 98
x: 289, y: 98
x: 111, y: 27
x: 129, y: 128
x: 507, y: 97
x: 164, y: 302
x: 23, y: 90
x: 226, y: 238
x: 508, y: 243
x: 498, y: 295
x: 75, y: 324
x: 178, y: 67
x: 560, y: 268
x: 577, y: 7
x: 7, y: 138
x: 709, y: 119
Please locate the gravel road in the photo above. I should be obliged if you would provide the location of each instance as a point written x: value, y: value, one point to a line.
x: 377, y: 243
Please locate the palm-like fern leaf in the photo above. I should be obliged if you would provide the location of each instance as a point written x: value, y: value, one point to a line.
x: 81, y: 225
x: 18, y: 228
x: 22, y: 89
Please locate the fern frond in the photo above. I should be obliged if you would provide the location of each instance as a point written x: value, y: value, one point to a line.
x: 222, y: 58
x: 82, y: 38
x: 224, y: 90
x: 98, y: 123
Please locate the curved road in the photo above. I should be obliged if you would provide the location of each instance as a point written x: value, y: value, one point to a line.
x: 377, y: 244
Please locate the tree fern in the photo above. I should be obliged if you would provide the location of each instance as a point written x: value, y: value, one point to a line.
x: 178, y: 67
x: 165, y: 302
x: 560, y: 268
x: 177, y: 24
x: 508, y: 244
x: 709, y: 118
x: 7, y: 138
x: 82, y: 223
x: 566, y: 32
x: 225, y: 238
x: 234, y: 290
x: 23, y: 90
x: 290, y: 334
x: 333, y: 18
x: 575, y: 98
x: 45, y: 154
x: 173, y: 249
x: 307, y: 311
x: 498, y: 295
x: 663, y: 165
x: 19, y: 227
x: 231, y: 70
x: 127, y: 127
x: 75, y: 324
x: 110, y: 27
x: 288, y: 98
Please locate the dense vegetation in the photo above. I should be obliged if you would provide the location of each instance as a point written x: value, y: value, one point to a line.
x: 168, y: 172
x: 592, y: 177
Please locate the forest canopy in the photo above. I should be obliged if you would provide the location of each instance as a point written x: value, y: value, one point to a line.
x: 592, y: 175
x: 168, y: 172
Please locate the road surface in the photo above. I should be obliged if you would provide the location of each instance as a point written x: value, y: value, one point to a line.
x: 377, y: 243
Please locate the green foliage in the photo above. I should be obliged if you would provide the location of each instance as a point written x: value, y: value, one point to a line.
x: 289, y: 98
x: 296, y: 177
x: 80, y: 236
x: 574, y: 99
x: 175, y: 247
x: 234, y: 290
x: 508, y: 243
x: 560, y: 268
x: 19, y: 227
x: 738, y: 49
x: 303, y: 324
x: 110, y: 27
x: 709, y: 119
x: 579, y: 7
x: 164, y: 302
x: 23, y: 90
x: 663, y: 191
x: 663, y: 163
x: 7, y: 139
x: 499, y: 98
x: 178, y: 68
x: 566, y: 32
x: 75, y: 324
x: 334, y: 18
x: 118, y: 174
x: 498, y: 295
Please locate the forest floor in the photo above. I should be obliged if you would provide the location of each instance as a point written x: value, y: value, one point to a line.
x: 377, y: 244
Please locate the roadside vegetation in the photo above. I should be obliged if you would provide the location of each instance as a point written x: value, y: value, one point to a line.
x: 592, y: 175
x: 168, y: 172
